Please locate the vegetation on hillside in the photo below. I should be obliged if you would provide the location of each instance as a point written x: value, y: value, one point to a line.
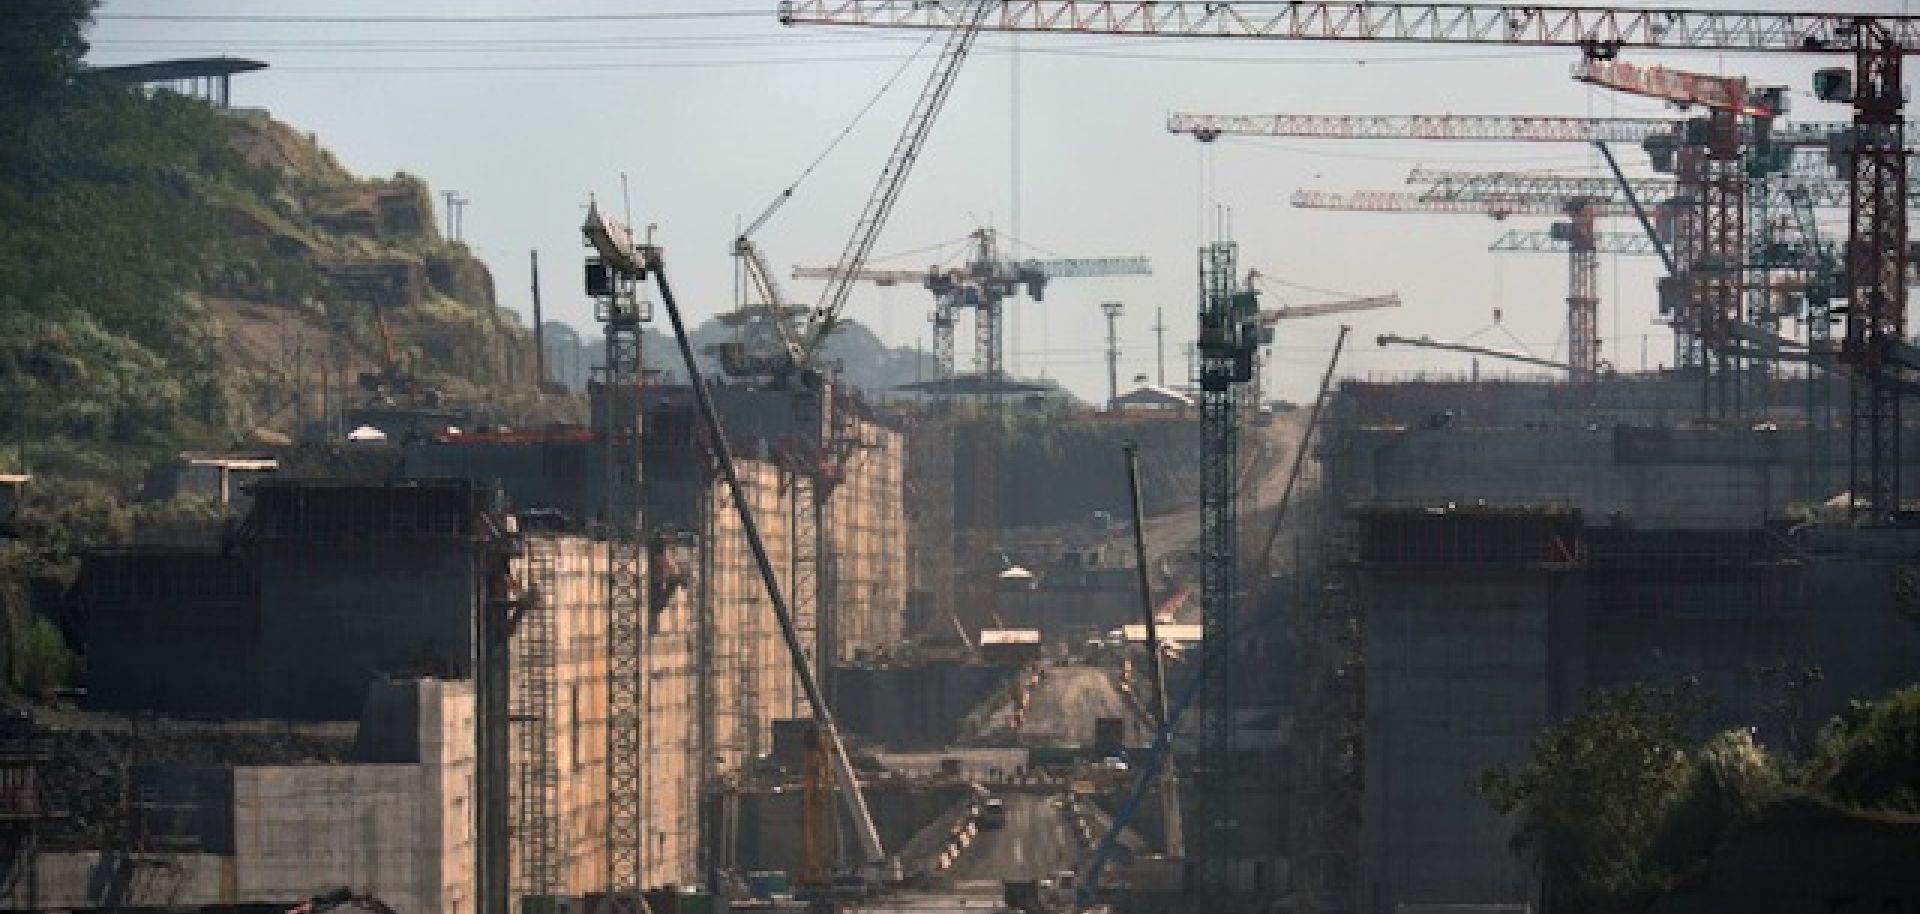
x: 158, y: 257
x: 1617, y: 806
x: 134, y: 218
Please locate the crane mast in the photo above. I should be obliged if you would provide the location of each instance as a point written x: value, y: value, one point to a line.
x: 613, y: 279
x: 1227, y: 342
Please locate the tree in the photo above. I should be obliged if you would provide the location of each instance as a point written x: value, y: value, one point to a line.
x: 41, y: 46
x: 1870, y: 757
x: 1589, y: 802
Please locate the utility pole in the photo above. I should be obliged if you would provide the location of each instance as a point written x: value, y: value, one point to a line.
x: 539, y: 328
x: 1112, y: 310
x: 455, y: 205
x: 1159, y: 348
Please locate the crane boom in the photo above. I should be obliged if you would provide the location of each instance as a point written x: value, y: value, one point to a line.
x: 1053, y: 268
x: 1519, y: 241
x: 967, y: 16
x: 1445, y: 184
x: 1367, y: 303
x: 1493, y: 186
x: 761, y: 275
x: 1681, y: 87
x: 1483, y: 128
x: 1497, y: 207
x: 877, y: 277
x: 1424, y: 342
x: 1087, y: 267
x: 1598, y: 29
x: 1474, y: 127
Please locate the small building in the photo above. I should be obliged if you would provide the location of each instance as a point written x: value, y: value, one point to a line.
x: 1176, y: 634
x: 13, y: 490
x: 1010, y: 645
x: 221, y: 477
x: 1152, y: 398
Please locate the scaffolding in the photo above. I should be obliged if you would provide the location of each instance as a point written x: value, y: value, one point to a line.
x: 806, y: 558
x: 534, y: 705
x: 23, y: 752
x: 1331, y: 675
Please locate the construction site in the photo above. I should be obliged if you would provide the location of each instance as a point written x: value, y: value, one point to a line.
x: 754, y: 639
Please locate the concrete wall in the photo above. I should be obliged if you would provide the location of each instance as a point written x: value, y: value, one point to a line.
x: 672, y: 727
x: 403, y: 833
x: 868, y: 521
x: 752, y: 681
x: 1696, y: 478
x: 93, y: 879
x: 1457, y: 680
x: 338, y: 614
x: 671, y: 781
x: 916, y: 707
x: 170, y: 630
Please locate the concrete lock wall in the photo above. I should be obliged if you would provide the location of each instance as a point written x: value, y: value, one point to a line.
x: 670, y: 789
x: 400, y: 832
x: 752, y: 680
x: 1652, y: 479
x: 1457, y: 682
x: 337, y: 615
x: 868, y: 524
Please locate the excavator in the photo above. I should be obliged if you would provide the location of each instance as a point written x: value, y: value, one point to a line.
x: 393, y: 383
x: 334, y: 899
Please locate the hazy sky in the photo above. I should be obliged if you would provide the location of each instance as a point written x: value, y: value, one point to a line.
x: 711, y: 108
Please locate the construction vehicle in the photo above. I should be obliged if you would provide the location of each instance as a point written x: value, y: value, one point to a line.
x: 993, y: 813
x: 340, y: 898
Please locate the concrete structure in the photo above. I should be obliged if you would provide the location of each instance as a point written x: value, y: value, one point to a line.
x: 1152, y: 398
x: 371, y: 581
x: 13, y: 488
x: 224, y: 478
x: 333, y: 587
x: 397, y: 825
x: 1494, y: 550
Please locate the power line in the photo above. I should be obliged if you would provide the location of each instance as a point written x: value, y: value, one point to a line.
x: 432, y: 20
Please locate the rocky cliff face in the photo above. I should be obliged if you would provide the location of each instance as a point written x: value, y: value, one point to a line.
x: 351, y: 252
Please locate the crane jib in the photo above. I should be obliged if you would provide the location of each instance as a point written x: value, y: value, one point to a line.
x: 1597, y: 30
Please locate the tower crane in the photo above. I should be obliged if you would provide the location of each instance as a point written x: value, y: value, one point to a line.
x: 1581, y: 209
x: 982, y: 284
x: 1711, y: 165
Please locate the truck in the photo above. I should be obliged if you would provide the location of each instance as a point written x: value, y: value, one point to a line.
x: 993, y: 813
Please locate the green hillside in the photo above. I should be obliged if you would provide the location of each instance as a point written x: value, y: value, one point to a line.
x: 174, y: 276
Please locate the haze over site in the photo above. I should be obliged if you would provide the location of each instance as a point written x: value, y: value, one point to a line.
x: 711, y: 110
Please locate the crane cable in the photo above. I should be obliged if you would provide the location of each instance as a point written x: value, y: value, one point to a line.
x: 787, y: 194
